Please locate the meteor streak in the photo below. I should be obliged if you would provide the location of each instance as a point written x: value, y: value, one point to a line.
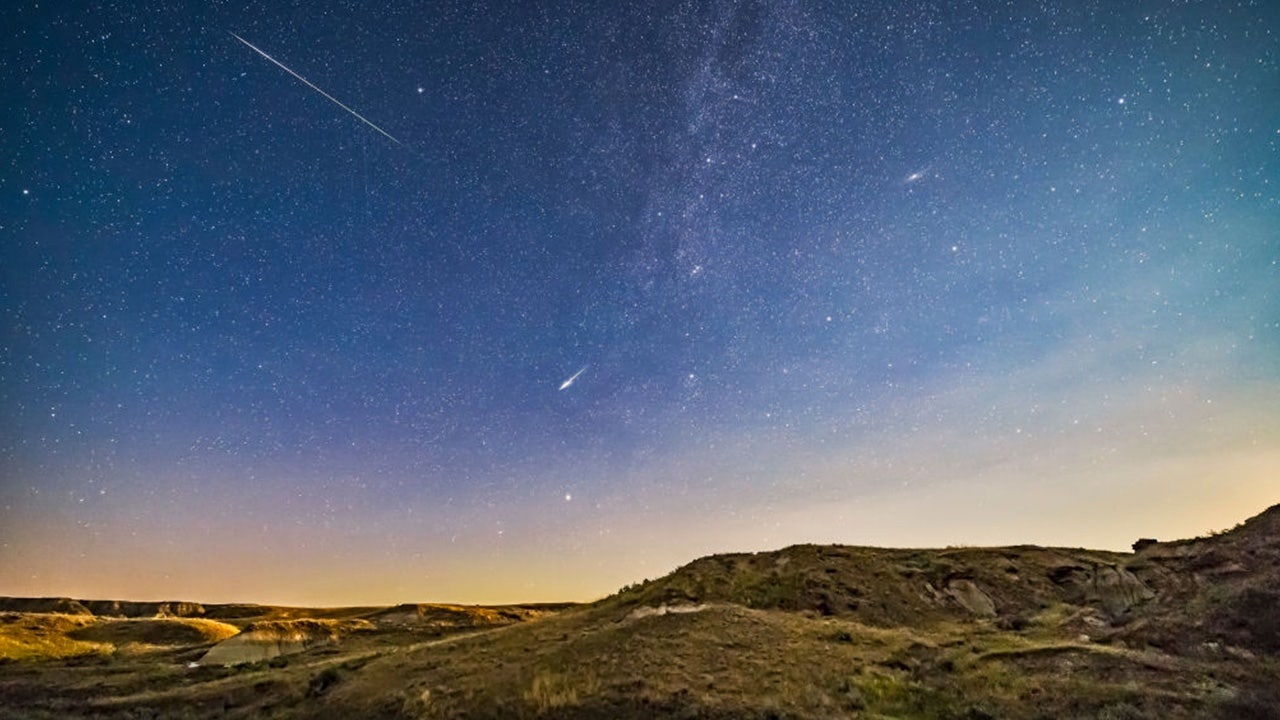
x: 308, y: 83
x: 565, y: 385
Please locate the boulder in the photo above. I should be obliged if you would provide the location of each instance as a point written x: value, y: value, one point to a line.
x: 1143, y: 543
x: 971, y: 597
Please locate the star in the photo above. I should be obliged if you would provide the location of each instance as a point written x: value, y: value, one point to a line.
x: 315, y: 324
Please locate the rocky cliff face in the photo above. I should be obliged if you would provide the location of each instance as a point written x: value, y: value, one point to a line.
x: 1111, y: 588
x: 1222, y: 590
x: 102, y: 608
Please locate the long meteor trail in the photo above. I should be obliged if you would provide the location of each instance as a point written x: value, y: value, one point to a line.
x: 309, y: 84
x: 565, y: 385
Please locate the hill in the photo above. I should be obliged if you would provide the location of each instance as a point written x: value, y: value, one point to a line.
x: 1182, y: 629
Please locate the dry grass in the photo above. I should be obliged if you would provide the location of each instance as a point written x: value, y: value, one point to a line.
x: 304, y: 628
x: 804, y: 633
x: 52, y: 636
x: 45, y: 636
x: 554, y: 690
x: 156, y: 631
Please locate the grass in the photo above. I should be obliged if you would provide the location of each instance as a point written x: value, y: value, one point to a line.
x: 726, y: 661
x: 807, y: 632
x: 31, y: 637
x: 156, y: 631
x: 303, y: 628
x: 41, y: 636
x: 551, y: 690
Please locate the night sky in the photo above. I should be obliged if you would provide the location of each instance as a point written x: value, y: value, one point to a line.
x: 885, y: 273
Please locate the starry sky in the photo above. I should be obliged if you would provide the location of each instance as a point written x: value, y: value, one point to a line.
x: 883, y: 273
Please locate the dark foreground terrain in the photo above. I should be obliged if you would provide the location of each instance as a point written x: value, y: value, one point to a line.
x: 1185, y: 629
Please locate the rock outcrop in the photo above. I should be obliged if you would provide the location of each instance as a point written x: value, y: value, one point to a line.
x: 64, y: 606
x: 103, y: 608
x: 1112, y: 588
x: 971, y: 597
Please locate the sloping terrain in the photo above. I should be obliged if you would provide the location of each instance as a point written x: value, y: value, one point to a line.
x: 267, y: 639
x: 1185, y: 629
x: 41, y: 636
x: 1179, y: 630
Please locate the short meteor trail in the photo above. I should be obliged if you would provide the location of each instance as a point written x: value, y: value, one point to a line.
x: 308, y: 83
x: 565, y: 385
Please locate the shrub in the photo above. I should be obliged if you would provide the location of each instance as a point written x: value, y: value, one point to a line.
x: 1255, y: 614
x: 1258, y: 702
x: 1015, y: 623
x: 322, y: 682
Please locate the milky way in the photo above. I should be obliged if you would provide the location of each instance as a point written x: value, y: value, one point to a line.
x: 874, y: 273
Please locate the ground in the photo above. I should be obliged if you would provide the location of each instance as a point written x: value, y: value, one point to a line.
x: 1186, y: 629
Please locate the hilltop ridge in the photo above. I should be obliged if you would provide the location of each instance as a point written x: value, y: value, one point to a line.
x: 1178, y: 629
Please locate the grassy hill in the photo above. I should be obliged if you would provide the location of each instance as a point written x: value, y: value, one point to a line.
x: 1184, y: 629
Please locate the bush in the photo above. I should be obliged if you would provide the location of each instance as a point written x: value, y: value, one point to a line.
x: 322, y: 682
x: 1258, y: 702
x: 1015, y: 623
x: 1255, y: 615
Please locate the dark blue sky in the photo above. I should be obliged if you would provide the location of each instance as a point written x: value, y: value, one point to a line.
x: 832, y: 271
